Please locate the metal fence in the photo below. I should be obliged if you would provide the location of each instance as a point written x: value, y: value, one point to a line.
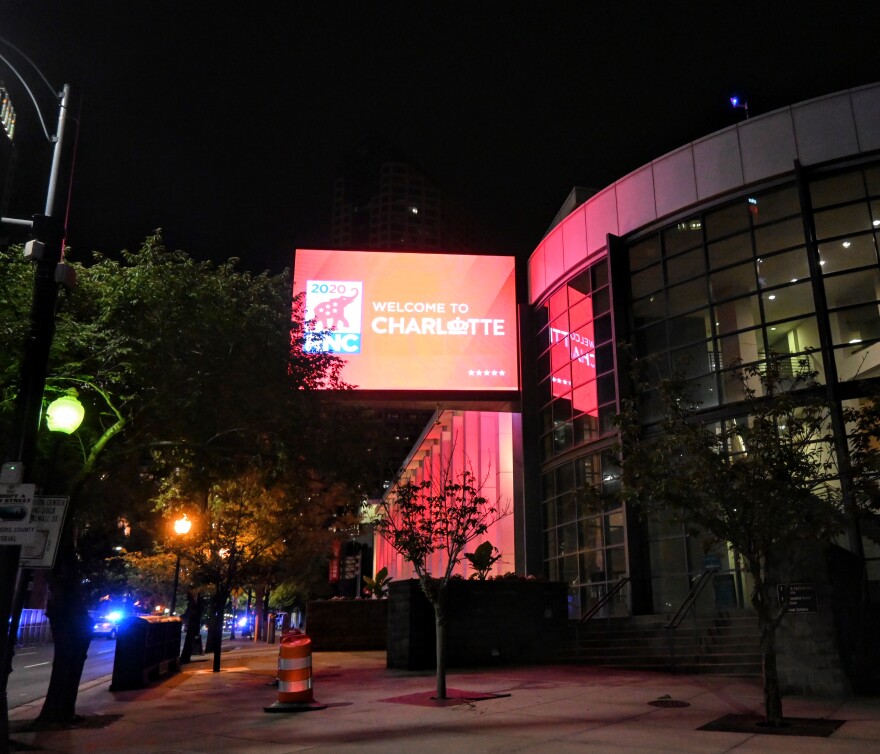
x: 33, y: 628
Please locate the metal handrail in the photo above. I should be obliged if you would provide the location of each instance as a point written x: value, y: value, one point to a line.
x: 698, y: 586
x: 624, y: 580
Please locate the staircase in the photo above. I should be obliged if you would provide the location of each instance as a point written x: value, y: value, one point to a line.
x: 725, y: 643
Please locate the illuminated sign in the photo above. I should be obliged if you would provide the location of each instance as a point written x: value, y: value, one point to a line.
x: 412, y: 321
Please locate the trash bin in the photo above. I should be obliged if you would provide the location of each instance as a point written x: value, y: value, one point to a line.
x: 147, y: 649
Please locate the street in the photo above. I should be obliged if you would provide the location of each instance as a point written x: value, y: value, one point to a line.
x: 32, y: 666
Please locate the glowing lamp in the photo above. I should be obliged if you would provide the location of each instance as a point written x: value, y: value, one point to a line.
x: 182, y: 525
x: 736, y: 102
x: 65, y: 414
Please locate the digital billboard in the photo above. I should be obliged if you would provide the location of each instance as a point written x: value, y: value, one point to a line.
x: 412, y: 321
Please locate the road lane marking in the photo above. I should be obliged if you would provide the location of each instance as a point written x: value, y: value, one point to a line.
x: 36, y: 666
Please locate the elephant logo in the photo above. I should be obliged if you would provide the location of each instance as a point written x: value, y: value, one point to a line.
x: 334, y: 310
x: 330, y: 314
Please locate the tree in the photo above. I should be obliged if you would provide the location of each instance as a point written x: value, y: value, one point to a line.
x: 766, y: 482
x: 174, y: 359
x: 441, y: 515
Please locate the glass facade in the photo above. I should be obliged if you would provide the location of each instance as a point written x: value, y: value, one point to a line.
x: 577, y: 383
x: 790, y: 270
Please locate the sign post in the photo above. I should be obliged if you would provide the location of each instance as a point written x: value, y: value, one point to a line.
x: 15, y: 512
x: 47, y: 518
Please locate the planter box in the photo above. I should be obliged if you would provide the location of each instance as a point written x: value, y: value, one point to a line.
x: 505, y: 621
x: 347, y: 625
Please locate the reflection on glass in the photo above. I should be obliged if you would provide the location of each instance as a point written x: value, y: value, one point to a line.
x: 647, y: 281
x: 728, y: 220
x: 730, y: 250
x: 847, y: 254
x: 783, y: 268
x: 855, y: 288
x: 783, y: 303
x: 649, y: 309
x: 837, y: 189
x: 733, y: 282
x: 841, y: 221
x: 687, y: 297
x: 856, y: 326
x: 683, y: 236
x: 776, y: 205
x: 685, y: 266
x: 690, y: 328
x: 644, y: 253
x: 783, y: 235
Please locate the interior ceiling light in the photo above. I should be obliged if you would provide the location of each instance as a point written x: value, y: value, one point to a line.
x: 772, y: 296
x: 876, y: 223
x: 847, y: 244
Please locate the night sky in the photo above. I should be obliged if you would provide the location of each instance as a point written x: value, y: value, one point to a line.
x: 223, y: 123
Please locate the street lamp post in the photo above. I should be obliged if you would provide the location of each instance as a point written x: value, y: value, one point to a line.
x: 46, y: 252
x: 181, y: 527
x: 63, y: 415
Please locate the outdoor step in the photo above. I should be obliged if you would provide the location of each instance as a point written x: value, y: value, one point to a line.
x: 725, y: 644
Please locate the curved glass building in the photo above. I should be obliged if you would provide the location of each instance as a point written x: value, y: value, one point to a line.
x: 761, y: 238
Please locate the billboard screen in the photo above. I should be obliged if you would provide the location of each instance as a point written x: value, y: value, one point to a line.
x: 412, y: 321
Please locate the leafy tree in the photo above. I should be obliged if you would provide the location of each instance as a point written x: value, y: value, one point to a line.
x: 176, y: 361
x: 766, y: 482
x: 441, y: 515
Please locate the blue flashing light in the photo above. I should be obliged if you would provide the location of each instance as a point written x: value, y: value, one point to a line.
x: 734, y: 101
x: 115, y: 616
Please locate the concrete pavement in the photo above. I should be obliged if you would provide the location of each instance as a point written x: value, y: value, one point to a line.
x: 557, y: 708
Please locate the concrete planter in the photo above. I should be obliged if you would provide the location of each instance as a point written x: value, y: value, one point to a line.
x: 347, y: 625
x: 504, y: 621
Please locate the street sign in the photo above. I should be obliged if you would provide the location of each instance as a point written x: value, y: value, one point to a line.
x: 15, y: 511
x: 47, y: 518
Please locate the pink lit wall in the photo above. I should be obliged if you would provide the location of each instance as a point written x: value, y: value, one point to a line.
x: 482, y: 442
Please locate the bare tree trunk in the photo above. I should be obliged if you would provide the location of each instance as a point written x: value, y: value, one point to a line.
x: 761, y: 599
x: 440, y: 623
x: 192, y: 618
x: 215, y: 627
x: 72, y: 633
x: 435, y: 591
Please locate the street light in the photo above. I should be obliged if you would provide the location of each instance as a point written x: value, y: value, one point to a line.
x: 736, y: 102
x: 65, y: 414
x: 181, y: 527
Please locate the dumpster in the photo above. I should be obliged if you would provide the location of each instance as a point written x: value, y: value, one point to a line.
x: 147, y: 649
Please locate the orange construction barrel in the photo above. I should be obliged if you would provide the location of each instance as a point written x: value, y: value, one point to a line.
x: 294, y: 674
x: 295, y: 668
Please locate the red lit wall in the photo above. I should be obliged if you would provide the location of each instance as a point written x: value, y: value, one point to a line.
x: 479, y: 441
x: 413, y: 321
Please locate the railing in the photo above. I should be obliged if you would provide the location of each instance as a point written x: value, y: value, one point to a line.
x: 609, y: 595
x: 696, y: 588
x: 33, y: 628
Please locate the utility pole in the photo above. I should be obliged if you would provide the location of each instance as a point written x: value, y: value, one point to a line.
x: 46, y: 252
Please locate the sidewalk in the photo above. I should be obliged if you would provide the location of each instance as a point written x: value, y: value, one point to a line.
x: 558, y: 709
